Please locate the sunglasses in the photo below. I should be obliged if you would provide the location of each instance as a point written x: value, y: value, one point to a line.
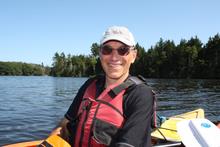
x: 122, y: 51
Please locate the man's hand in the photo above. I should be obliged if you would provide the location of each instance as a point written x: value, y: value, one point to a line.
x: 61, y: 130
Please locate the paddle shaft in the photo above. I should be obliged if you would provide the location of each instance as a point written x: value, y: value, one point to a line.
x: 173, y: 144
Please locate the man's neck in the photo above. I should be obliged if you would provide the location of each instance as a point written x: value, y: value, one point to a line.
x: 110, y: 81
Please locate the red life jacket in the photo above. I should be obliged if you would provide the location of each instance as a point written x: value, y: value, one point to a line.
x: 100, y: 118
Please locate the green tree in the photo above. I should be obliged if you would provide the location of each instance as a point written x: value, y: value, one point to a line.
x: 95, y: 50
x: 211, y: 55
x: 58, y: 64
x: 137, y: 66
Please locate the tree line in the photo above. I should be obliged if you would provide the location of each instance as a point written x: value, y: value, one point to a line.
x: 22, y: 69
x: 187, y: 59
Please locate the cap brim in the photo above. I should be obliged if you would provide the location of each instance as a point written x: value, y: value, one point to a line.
x: 118, y: 38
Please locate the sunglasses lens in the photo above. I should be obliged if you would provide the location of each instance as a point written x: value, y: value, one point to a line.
x: 123, y: 51
x: 106, y: 50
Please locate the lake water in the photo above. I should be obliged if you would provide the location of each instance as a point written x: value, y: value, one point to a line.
x: 30, y: 107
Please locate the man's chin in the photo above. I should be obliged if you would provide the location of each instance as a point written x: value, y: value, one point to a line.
x: 114, y: 76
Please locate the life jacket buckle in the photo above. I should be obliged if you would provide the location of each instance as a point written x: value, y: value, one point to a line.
x: 86, y: 104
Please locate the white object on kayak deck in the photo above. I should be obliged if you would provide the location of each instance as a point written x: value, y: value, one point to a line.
x: 199, y: 133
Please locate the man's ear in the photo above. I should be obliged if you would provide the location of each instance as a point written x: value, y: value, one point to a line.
x: 134, y: 55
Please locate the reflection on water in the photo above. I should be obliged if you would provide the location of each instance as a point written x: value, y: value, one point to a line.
x: 30, y: 107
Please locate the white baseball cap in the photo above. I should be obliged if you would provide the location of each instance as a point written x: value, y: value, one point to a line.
x: 118, y: 33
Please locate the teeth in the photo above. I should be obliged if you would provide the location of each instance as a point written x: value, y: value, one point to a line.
x: 114, y: 64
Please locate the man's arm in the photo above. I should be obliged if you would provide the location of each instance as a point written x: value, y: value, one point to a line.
x: 138, y: 113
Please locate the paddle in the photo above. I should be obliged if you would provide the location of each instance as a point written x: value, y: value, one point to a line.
x: 199, y: 133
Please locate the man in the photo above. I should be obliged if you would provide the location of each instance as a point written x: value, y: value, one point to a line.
x: 114, y: 109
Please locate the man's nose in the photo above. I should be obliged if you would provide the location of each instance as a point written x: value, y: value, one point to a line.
x: 115, y: 54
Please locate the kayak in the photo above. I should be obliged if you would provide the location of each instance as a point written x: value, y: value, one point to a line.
x: 51, y: 141
x: 168, y: 129
x: 166, y: 132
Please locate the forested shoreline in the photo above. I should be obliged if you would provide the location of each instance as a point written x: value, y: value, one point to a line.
x: 23, y: 69
x: 188, y: 59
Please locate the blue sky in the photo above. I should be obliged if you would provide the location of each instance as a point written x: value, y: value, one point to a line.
x: 33, y: 30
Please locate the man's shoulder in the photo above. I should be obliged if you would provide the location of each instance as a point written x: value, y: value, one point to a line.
x: 137, y: 79
x: 139, y: 92
x: 140, y: 84
x: 138, y: 96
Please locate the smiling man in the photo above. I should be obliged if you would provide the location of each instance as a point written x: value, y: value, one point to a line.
x: 114, y: 109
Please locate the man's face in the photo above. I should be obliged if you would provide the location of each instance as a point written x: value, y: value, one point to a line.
x: 116, y: 59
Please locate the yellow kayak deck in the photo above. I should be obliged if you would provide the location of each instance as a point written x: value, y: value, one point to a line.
x: 168, y: 129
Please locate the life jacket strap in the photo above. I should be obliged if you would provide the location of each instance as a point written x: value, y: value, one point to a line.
x: 45, y: 144
x: 130, y: 81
